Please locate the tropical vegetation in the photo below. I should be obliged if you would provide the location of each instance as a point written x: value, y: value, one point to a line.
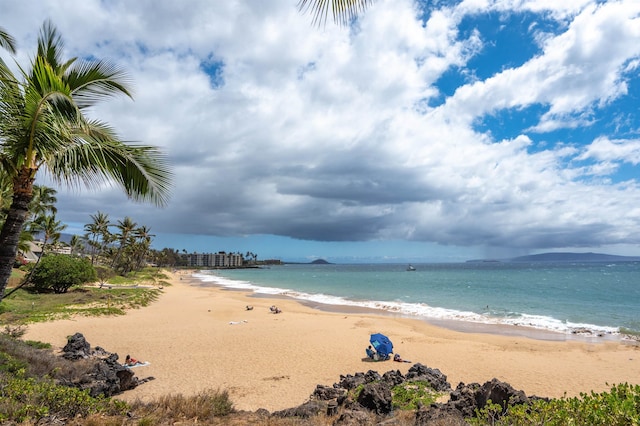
x: 44, y: 126
x: 125, y: 250
x: 59, y: 272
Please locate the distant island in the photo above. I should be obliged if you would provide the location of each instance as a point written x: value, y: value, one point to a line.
x: 315, y: 262
x: 564, y: 257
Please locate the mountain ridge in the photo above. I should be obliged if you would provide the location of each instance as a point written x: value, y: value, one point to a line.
x: 565, y: 257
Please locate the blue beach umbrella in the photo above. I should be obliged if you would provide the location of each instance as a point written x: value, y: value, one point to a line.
x: 382, y: 344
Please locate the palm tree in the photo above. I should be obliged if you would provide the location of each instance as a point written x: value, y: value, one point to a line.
x: 43, y: 126
x: 44, y: 201
x: 97, y: 233
x: 75, y: 244
x: 144, y: 237
x: 50, y: 228
x: 343, y: 11
x: 5, y: 194
x: 126, y: 228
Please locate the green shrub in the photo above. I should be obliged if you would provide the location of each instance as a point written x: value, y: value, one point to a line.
x: 411, y: 395
x: 104, y: 273
x: 31, y: 399
x: 11, y: 365
x: 27, y: 267
x: 618, y: 407
x: 37, y: 345
x: 59, y: 272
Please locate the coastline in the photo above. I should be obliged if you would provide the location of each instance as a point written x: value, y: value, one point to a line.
x: 198, y: 337
x: 466, y: 326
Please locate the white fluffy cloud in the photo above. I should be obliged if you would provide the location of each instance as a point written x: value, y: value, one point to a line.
x: 347, y: 134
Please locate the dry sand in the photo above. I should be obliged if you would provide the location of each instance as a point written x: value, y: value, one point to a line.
x: 199, y: 338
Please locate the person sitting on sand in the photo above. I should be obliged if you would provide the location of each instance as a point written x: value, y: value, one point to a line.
x: 129, y: 361
x: 398, y: 358
x: 370, y: 353
x: 274, y: 309
x: 249, y: 308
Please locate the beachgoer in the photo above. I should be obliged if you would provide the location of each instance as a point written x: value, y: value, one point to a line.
x: 249, y: 308
x: 370, y: 353
x: 398, y: 358
x: 128, y: 361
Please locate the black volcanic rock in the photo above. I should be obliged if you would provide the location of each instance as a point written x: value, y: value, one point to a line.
x: 77, y: 347
x: 376, y: 397
x: 373, y: 403
x: 436, y: 379
x: 107, y: 377
x: 308, y: 409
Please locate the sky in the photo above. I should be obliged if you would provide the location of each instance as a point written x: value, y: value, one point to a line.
x: 426, y: 131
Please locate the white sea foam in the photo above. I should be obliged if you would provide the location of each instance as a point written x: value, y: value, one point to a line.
x: 418, y: 310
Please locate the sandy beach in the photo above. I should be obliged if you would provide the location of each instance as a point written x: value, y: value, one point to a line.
x: 198, y: 338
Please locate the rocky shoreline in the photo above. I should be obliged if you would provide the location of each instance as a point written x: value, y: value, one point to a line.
x: 374, y: 401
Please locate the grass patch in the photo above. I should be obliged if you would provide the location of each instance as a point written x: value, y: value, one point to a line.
x: 204, y: 406
x: 147, y: 276
x: 26, y: 306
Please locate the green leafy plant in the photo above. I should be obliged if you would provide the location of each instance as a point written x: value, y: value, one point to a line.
x: 12, y: 365
x: 618, y: 407
x: 411, y: 395
x: 104, y: 273
x: 32, y: 399
x: 59, y: 272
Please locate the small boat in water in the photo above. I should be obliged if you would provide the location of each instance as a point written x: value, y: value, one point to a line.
x: 410, y: 268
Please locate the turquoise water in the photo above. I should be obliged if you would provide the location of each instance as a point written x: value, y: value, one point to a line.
x: 601, y: 298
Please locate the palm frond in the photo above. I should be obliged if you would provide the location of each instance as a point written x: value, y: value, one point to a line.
x: 7, y: 42
x: 343, y: 11
x: 50, y: 44
x: 93, y: 81
x: 97, y: 156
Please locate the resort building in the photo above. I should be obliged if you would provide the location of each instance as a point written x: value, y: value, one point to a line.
x: 214, y: 260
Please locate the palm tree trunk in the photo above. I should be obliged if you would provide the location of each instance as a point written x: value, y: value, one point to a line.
x: 17, y: 215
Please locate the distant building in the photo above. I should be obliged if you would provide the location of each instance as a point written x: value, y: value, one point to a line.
x: 33, y: 254
x: 214, y: 260
x: 35, y: 250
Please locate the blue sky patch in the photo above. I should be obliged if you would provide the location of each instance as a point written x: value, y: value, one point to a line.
x: 215, y: 70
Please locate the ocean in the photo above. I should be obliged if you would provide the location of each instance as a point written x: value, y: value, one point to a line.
x: 595, y: 300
